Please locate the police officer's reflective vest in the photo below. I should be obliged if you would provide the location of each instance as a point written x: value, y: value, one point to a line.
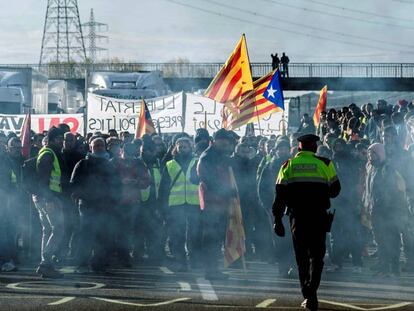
x: 305, y: 167
x: 182, y: 191
x: 56, y: 174
x: 145, y: 193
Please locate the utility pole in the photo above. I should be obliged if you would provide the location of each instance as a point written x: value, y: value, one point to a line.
x: 62, y: 34
x: 93, y: 28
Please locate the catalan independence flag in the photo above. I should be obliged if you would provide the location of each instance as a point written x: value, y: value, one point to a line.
x: 145, y: 124
x: 234, y: 78
x: 253, y: 105
x: 321, y: 106
x: 235, y: 243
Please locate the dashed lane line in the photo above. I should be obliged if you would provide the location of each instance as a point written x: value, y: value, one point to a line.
x: 166, y: 270
x: 61, y: 301
x: 163, y: 303
x: 207, y: 291
x: 265, y: 303
x: 184, y: 286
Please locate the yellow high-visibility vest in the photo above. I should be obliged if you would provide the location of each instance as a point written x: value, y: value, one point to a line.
x: 56, y: 174
x: 13, y: 178
x: 145, y: 193
x: 183, y: 191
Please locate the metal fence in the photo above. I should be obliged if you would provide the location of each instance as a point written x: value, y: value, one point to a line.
x: 209, y: 70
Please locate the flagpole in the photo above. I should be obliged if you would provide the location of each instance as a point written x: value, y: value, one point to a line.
x: 243, y: 259
x: 283, y: 123
x: 257, y: 112
x: 258, y: 120
x: 205, y: 120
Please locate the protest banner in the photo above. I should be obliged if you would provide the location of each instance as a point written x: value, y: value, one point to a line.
x: 105, y: 113
x: 170, y: 114
x: 273, y: 124
x: 41, y: 122
x: 200, y: 108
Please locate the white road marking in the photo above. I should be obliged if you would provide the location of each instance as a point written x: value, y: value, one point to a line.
x: 395, y: 306
x: 26, y: 297
x: 68, y: 269
x: 166, y: 270
x: 346, y: 305
x: 207, y: 291
x: 61, y: 301
x: 184, y: 286
x: 266, y: 303
x: 47, y: 285
x: 163, y: 303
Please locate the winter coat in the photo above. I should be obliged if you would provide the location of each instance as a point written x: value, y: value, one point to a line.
x: 215, y: 183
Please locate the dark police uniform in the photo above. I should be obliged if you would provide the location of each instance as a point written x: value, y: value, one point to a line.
x: 304, y: 186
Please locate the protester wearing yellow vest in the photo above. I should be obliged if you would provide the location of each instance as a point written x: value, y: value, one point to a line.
x: 181, y: 204
x: 48, y: 201
x: 149, y: 222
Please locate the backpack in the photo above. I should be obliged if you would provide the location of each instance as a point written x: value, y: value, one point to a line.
x: 29, y: 176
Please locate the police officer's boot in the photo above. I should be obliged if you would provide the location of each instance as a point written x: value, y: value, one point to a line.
x: 310, y: 304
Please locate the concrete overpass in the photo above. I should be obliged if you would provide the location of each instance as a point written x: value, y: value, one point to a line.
x: 302, y: 76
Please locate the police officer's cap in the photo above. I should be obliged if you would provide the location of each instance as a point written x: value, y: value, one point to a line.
x: 308, y: 138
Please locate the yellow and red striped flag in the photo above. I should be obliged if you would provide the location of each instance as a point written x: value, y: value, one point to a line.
x: 234, y: 78
x: 254, y: 106
x: 234, y: 246
x: 145, y: 124
x: 321, y: 106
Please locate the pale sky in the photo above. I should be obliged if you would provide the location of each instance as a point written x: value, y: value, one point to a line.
x: 207, y: 30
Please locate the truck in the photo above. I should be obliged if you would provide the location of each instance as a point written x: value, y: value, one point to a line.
x: 33, y: 88
x: 64, y: 97
x: 130, y: 85
x: 11, y: 100
x: 58, y: 96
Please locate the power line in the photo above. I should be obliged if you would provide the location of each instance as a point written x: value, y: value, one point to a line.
x: 283, y: 29
x: 279, y: 19
x: 337, y: 15
x: 359, y: 11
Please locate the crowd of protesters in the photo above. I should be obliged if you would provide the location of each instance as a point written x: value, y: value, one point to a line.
x: 109, y: 200
x: 371, y: 147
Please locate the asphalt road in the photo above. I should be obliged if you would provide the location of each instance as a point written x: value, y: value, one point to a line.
x: 159, y: 287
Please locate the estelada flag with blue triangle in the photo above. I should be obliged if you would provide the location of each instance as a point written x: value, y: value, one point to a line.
x: 274, y: 92
x: 145, y: 124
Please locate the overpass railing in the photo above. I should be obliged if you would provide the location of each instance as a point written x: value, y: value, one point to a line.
x: 209, y: 70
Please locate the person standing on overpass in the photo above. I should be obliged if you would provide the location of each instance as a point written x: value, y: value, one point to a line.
x: 285, y: 65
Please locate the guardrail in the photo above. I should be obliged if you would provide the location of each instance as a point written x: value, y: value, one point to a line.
x: 209, y: 70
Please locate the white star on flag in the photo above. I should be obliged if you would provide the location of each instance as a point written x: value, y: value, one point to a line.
x: 271, y: 92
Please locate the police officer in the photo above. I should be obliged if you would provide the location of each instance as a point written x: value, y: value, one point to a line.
x: 304, y: 186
